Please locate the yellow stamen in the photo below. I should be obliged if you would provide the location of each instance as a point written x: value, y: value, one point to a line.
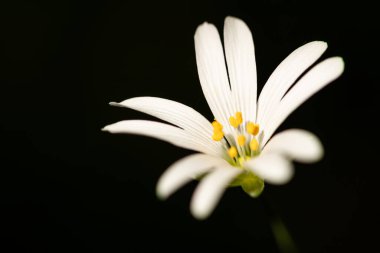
x: 218, y: 135
x: 239, y: 117
x: 217, y: 125
x: 253, y: 128
x: 233, y: 122
x: 232, y: 152
x: 254, y: 145
x: 241, y: 140
x: 237, y: 120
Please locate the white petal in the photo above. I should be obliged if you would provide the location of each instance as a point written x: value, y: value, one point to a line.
x: 210, y: 190
x: 285, y: 75
x: 176, y: 113
x: 318, y: 77
x: 165, y: 132
x: 185, y: 170
x: 212, y: 72
x: 272, y: 167
x: 240, y: 56
x: 296, y: 144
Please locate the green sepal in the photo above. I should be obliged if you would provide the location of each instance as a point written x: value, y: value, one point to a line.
x: 250, y: 183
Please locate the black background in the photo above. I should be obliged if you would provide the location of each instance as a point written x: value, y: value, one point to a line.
x: 66, y: 186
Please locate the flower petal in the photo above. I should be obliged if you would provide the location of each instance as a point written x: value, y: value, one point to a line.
x: 210, y: 190
x: 297, y: 144
x: 285, y: 75
x: 212, y: 72
x: 240, y: 56
x: 165, y: 132
x: 318, y: 77
x: 175, y: 113
x: 272, y: 168
x: 183, y: 171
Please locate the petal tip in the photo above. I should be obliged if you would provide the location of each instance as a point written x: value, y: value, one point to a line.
x: 115, y: 104
x: 235, y: 22
x: 231, y: 18
x: 338, y: 64
x: 322, y: 43
x: 205, y: 24
x: 318, y: 46
x: 164, y: 189
x: 341, y: 60
x: 320, y: 153
x: 204, y: 29
x: 161, y: 193
x: 199, y: 213
x: 161, y: 196
x: 316, y: 43
x: 283, y: 179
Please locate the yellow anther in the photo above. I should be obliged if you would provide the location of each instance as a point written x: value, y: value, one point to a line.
x: 237, y: 120
x: 232, y: 152
x: 218, y: 135
x: 217, y: 126
x: 253, y: 128
x: 239, y: 117
x: 254, y: 145
x: 241, y: 140
x: 233, y: 122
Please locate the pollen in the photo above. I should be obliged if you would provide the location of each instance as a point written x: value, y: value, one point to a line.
x: 241, y: 140
x: 239, y: 117
x: 218, y: 131
x: 237, y: 120
x: 253, y: 128
x: 232, y: 152
x: 241, y: 144
x: 254, y: 145
x: 218, y: 135
x: 217, y: 126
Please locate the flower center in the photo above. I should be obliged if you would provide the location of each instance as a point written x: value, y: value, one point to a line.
x: 240, y: 145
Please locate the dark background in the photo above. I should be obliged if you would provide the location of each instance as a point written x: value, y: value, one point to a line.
x: 66, y: 186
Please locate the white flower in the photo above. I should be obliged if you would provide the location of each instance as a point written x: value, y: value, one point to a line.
x: 237, y: 148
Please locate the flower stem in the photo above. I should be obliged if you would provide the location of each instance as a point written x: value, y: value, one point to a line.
x: 281, y: 234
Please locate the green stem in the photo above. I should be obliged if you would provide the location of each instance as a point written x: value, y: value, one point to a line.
x: 281, y: 234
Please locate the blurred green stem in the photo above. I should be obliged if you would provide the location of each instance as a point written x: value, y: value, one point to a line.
x: 281, y: 234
